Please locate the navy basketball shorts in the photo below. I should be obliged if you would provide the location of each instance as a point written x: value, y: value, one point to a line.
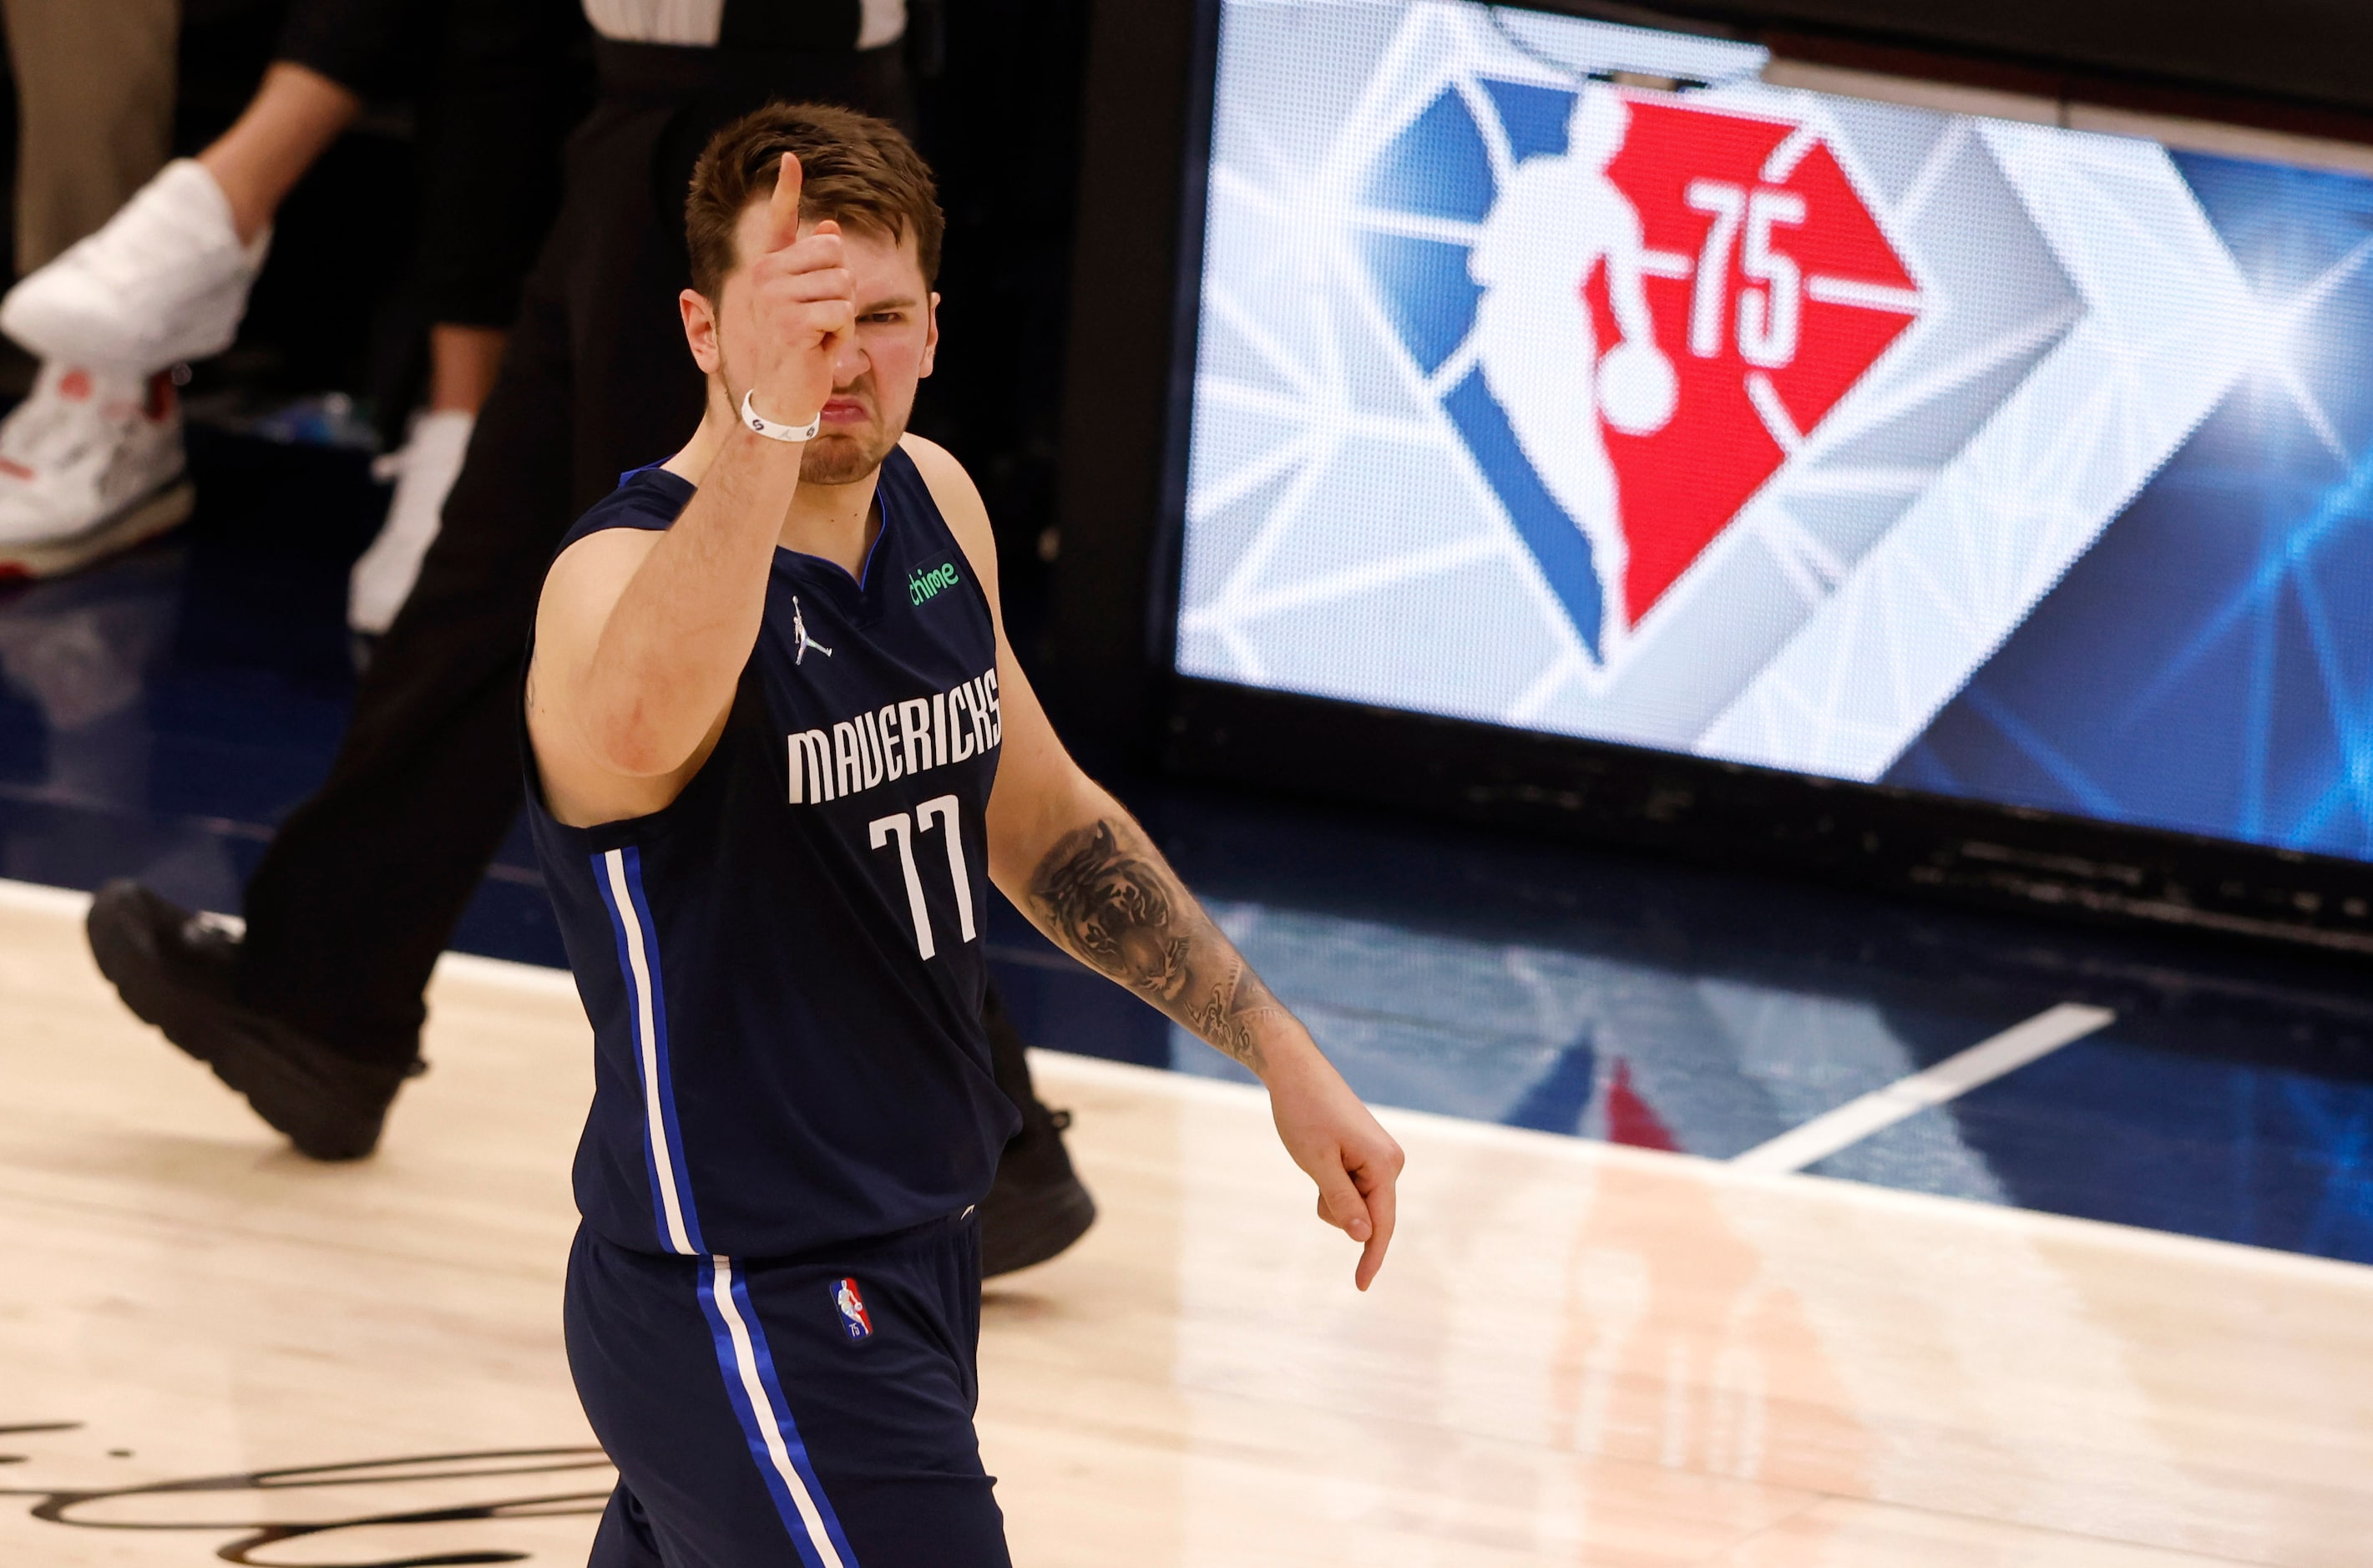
x: 764, y: 1414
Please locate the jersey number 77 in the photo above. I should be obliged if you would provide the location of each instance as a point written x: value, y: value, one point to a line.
x: 901, y: 829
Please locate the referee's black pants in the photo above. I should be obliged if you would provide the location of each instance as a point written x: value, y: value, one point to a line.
x: 365, y: 882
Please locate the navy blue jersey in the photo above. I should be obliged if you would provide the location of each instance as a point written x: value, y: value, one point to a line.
x: 783, y: 966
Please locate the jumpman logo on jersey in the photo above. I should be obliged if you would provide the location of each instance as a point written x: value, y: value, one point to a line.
x: 799, y: 630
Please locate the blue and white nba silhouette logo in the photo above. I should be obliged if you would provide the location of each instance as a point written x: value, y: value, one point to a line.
x: 1634, y: 307
x: 851, y: 1301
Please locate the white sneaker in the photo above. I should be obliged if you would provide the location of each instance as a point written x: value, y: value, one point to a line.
x: 424, y: 471
x: 165, y: 280
x: 89, y: 464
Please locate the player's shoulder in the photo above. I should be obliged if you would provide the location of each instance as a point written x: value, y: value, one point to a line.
x: 951, y: 488
x: 939, y: 469
x: 958, y: 500
x: 645, y: 503
x: 602, y: 549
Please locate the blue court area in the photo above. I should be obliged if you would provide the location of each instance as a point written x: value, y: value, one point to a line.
x: 162, y: 713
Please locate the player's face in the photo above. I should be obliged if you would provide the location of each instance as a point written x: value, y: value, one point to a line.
x: 881, y: 363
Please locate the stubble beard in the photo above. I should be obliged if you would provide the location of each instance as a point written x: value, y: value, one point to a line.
x: 838, y: 458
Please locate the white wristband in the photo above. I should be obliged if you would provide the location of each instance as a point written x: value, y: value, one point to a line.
x: 775, y: 432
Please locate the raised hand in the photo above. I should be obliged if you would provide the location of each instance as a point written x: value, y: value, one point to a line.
x: 804, y: 306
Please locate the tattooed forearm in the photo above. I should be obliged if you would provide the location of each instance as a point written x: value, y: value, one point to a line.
x: 1105, y: 895
x: 1111, y: 906
x: 1226, y: 1018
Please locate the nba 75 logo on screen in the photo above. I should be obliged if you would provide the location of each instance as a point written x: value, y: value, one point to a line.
x: 1643, y: 307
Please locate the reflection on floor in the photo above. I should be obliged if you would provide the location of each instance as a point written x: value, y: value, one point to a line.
x: 162, y: 714
x: 1577, y: 1353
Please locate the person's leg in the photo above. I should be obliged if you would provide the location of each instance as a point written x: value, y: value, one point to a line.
x: 315, y: 1014
x: 880, y: 1354
x: 770, y: 1412
x: 877, y: 1354
x: 463, y: 363
x: 363, y: 886
x: 165, y: 278
x: 1038, y: 1205
x: 90, y: 461
x: 94, y: 113
x: 510, y: 77
x: 289, y: 122
x: 127, y: 273
x: 624, y: 1538
x: 642, y: 1354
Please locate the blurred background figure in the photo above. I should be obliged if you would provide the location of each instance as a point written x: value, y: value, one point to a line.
x: 134, y: 265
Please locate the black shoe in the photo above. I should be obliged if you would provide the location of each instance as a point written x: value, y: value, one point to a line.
x: 1037, y: 1205
x: 178, y: 972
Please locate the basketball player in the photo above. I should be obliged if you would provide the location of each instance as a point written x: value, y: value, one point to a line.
x: 779, y: 747
x: 315, y: 1013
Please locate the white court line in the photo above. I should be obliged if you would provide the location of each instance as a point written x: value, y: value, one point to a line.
x: 38, y: 898
x: 1982, y: 1063
x: 1587, y: 1155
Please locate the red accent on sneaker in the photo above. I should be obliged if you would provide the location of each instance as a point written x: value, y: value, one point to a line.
x: 161, y: 396
x: 15, y: 470
x: 74, y: 385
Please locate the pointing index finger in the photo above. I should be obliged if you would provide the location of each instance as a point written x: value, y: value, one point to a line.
x: 783, y: 211
x: 1381, y: 1202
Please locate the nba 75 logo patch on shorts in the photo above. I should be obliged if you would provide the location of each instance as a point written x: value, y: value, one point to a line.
x: 853, y: 1315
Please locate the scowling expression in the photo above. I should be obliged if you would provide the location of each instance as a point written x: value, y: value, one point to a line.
x: 877, y: 368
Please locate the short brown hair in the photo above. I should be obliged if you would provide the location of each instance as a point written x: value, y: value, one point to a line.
x: 861, y: 171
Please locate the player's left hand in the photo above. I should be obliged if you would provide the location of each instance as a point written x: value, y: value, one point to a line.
x: 1339, y: 1145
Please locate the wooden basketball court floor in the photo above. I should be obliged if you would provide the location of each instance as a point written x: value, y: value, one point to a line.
x: 1579, y: 1354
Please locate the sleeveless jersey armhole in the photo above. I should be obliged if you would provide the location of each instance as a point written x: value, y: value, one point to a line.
x: 905, y: 476
x: 648, y: 498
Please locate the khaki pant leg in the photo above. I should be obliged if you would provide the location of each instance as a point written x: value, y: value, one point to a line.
x: 95, y: 112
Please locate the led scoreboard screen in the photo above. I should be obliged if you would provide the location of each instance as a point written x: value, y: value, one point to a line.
x: 1981, y: 458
